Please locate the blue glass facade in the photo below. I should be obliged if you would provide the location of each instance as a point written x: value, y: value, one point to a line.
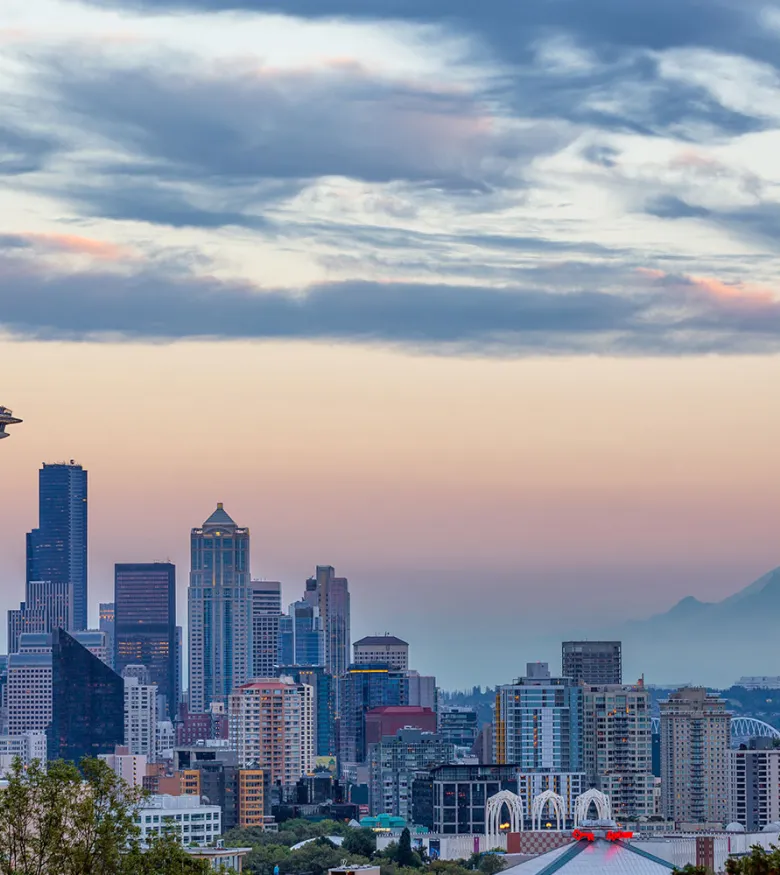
x: 87, y: 702
x: 362, y: 688
x: 301, y: 639
x: 539, y: 723
x: 57, y: 549
x: 145, y: 624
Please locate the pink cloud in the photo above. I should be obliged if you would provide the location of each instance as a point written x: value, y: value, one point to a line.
x: 77, y: 245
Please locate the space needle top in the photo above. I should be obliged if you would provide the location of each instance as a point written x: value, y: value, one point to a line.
x: 6, y: 418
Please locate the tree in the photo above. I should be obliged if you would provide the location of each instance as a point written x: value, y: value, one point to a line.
x: 405, y: 856
x: 491, y: 864
x: 759, y: 861
x: 690, y: 869
x: 70, y: 822
x: 360, y: 841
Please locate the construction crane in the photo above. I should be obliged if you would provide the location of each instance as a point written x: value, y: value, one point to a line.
x: 6, y: 418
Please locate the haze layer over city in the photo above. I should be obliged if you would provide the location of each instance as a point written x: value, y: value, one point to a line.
x: 474, y: 302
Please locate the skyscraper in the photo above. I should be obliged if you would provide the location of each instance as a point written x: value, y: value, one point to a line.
x: 301, y: 639
x: 145, y: 624
x: 272, y: 727
x: 266, y: 609
x: 592, y: 662
x: 382, y: 648
x: 140, y: 715
x: 617, y: 744
x: 87, y: 702
x: 219, y: 634
x: 47, y: 606
x: 324, y: 715
x: 364, y: 687
x: 331, y: 595
x: 107, y: 622
x: 57, y: 549
x: 695, y: 757
x: 538, y: 723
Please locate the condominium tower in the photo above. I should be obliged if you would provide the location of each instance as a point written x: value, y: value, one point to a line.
x: 695, y: 757
x: 272, y: 728
x: 218, y: 610
x: 265, y: 610
x: 538, y: 724
x: 617, y: 747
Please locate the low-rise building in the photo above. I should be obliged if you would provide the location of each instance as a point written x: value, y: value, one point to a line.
x: 193, y: 822
x: 755, y: 795
x: 27, y: 747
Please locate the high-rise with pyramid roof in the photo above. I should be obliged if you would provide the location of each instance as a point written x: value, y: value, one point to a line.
x: 218, y: 610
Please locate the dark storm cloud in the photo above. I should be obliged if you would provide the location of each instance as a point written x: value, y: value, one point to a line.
x: 669, y: 316
x: 22, y: 151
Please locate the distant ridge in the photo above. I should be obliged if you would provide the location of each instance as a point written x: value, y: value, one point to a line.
x: 713, y: 643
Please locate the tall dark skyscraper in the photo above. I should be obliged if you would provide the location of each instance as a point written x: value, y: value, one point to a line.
x: 57, y: 549
x: 145, y: 623
x: 88, y: 700
x: 592, y: 662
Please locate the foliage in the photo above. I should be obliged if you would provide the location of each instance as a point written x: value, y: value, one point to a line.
x: 405, y: 856
x: 759, y: 861
x: 690, y: 869
x: 70, y: 822
x: 491, y: 864
x: 360, y: 841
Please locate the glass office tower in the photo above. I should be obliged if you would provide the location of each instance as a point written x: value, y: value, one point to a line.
x: 57, y: 549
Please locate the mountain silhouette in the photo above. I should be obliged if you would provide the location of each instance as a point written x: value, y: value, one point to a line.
x: 710, y: 643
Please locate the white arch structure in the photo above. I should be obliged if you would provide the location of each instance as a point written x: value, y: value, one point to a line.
x: 556, y: 804
x: 493, y: 811
x: 742, y: 728
x: 583, y: 803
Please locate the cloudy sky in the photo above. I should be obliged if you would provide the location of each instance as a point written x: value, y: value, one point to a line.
x: 476, y: 301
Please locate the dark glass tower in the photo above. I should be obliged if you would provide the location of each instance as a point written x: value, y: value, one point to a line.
x: 145, y: 624
x: 88, y: 700
x: 57, y: 549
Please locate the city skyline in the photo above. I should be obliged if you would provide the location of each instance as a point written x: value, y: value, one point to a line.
x: 505, y: 330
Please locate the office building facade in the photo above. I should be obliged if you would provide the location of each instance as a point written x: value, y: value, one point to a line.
x: 57, y: 549
x: 362, y: 688
x: 593, y: 662
x: 323, y: 688
x: 193, y: 822
x: 28, y: 692
x: 617, y: 747
x: 27, y: 747
x: 382, y: 648
x: 330, y: 595
x: 140, y: 717
x: 107, y: 625
x: 695, y: 757
x: 538, y: 723
x: 266, y: 609
x: 460, y: 794
x: 301, y: 637
x: 219, y: 634
x: 272, y: 728
x: 145, y: 624
x: 393, y: 763
x: 87, y: 702
x: 48, y: 605
x: 755, y: 775
x: 459, y: 726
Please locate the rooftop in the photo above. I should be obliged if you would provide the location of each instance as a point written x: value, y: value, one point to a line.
x: 220, y: 517
x: 380, y: 641
x: 599, y: 857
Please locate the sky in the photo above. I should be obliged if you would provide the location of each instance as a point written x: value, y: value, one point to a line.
x: 477, y: 302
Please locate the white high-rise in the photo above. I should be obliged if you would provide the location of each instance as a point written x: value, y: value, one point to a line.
x: 272, y: 727
x: 140, y: 717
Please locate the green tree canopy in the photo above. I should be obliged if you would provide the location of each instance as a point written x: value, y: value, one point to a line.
x: 360, y: 841
x: 759, y: 861
x: 65, y: 821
